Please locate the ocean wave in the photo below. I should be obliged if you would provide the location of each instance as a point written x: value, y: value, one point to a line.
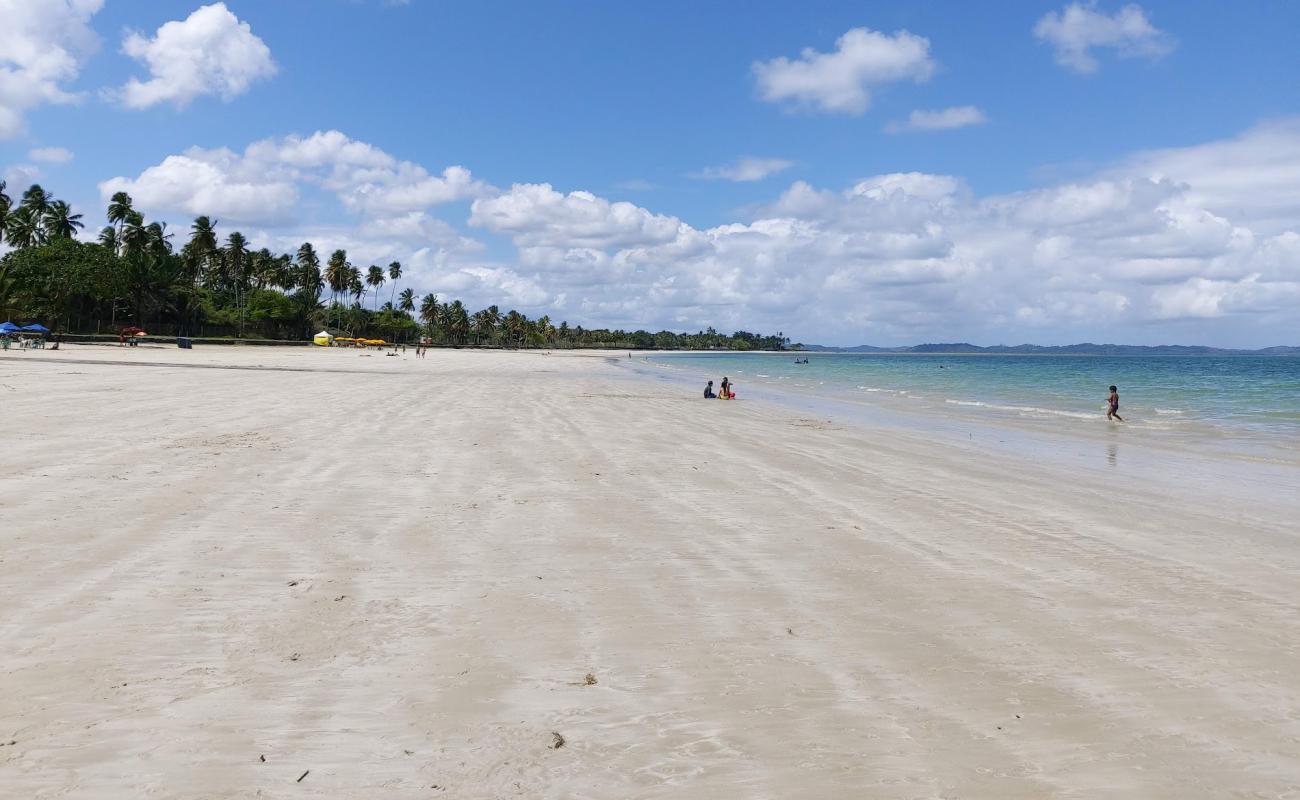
x: 1025, y: 410
x: 1170, y: 411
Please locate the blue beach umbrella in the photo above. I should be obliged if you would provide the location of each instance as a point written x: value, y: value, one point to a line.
x: 9, y: 327
x: 35, y: 327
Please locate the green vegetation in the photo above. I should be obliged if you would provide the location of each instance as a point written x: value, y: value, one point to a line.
x: 135, y: 275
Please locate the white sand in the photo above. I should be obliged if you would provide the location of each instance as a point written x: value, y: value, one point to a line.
x: 395, y: 573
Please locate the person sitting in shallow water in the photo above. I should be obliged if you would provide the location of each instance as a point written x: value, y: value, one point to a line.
x: 725, y: 392
x: 708, y: 391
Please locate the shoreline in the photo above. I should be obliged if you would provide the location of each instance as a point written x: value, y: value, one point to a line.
x: 924, y: 410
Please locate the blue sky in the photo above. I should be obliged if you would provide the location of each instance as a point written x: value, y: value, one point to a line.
x: 1124, y: 171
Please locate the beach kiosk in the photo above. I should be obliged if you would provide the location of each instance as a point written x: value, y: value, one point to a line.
x: 323, y: 339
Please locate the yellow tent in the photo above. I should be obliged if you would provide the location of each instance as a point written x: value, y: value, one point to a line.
x: 322, y: 339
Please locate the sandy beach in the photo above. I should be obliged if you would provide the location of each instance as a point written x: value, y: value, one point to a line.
x: 265, y: 572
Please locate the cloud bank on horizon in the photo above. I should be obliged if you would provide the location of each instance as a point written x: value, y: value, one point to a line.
x: 1197, y: 241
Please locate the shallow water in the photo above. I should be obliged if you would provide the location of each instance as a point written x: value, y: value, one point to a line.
x: 1238, y: 405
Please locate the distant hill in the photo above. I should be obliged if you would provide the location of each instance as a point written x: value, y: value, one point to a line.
x: 1087, y: 348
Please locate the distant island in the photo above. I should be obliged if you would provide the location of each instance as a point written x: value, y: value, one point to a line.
x: 1087, y: 349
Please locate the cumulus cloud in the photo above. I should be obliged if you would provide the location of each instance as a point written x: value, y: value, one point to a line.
x: 264, y: 183
x: 1253, y: 176
x: 43, y: 45
x: 20, y: 176
x: 941, y: 120
x: 910, y: 256
x: 1080, y: 28
x: 744, y: 170
x: 50, y: 155
x: 536, y: 215
x: 842, y: 81
x: 210, y: 52
x: 213, y: 182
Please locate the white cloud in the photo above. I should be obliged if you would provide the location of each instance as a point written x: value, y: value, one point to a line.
x: 1080, y: 27
x: 536, y: 215
x: 941, y: 120
x: 744, y: 170
x: 209, y: 52
x: 43, y: 45
x: 841, y: 81
x: 50, y: 155
x: 912, y: 256
x: 19, y: 176
x: 213, y: 182
x: 1253, y: 176
x: 265, y: 182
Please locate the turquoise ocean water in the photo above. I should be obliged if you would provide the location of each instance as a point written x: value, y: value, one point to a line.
x: 1249, y: 404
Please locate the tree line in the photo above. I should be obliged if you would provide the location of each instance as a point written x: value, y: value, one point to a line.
x: 134, y: 274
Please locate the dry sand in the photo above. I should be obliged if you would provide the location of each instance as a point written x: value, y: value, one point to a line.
x: 394, y: 575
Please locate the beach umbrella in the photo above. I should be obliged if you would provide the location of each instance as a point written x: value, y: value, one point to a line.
x: 9, y: 327
x: 35, y: 327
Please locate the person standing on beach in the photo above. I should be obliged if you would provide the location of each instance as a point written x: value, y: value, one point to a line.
x: 1112, y: 403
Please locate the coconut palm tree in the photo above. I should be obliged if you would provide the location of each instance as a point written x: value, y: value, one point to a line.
x: 356, y: 286
x: 375, y: 279
x: 5, y: 204
x: 157, y: 239
x: 429, y: 311
x: 119, y: 206
x: 235, y: 261
x: 59, y: 221
x: 337, y: 274
x: 108, y: 237
x: 23, y: 228
x: 202, y: 251
x: 37, y: 199
x: 406, y: 300
x: 394, y: 272
x: 307, y: 258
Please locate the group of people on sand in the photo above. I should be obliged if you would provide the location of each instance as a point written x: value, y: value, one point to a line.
x: 726, y: 392
x: 26, y: 342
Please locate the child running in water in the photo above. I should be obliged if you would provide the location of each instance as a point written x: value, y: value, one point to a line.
x: 1112, y: 403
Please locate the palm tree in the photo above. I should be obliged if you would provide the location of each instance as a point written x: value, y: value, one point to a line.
x: 157, y: 239
x: 394, y: 272
x: 356, y: 286
x: 60, y: 222
x: 235, y: 258
x: 5, y: 204
x: 456, y: 321
x: 202, y: 249
x: 429, y: 311
x: 265, y: 269
x: 307, y: 260
x: 375, y: 279
x: 131, y: 238
x: 37, y: 199
x: 337, y: 274
x: 119, y: 206
x: 108, y: 238
x: 406, y: 300
x: 23, y: 228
